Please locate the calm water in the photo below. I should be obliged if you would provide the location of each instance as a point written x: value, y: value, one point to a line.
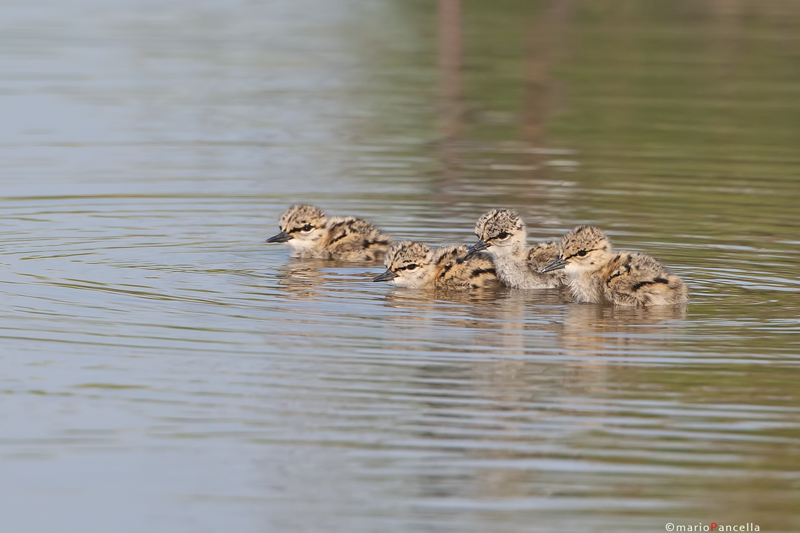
x: 164, y: 370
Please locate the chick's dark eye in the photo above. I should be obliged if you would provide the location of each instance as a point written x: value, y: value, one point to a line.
x: 581, y: 253
x: 504, y: 235
x: 411, y: 267
x: 307, y: 227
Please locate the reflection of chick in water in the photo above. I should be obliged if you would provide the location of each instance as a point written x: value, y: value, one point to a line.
x: 490, y: 321
x: 480, y: 346
x: 599, y: 329
x: 497, y: 403
x: 306, y: 277
x: 419, y: 312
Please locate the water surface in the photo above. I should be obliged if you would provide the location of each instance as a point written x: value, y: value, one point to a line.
x: 165, y: 370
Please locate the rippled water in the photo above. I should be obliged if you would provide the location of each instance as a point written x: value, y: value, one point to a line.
x: 164, y: 370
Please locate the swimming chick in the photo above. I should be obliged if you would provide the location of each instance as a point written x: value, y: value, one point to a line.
x: 503, y: 235
x: 311, y: 233
x: 598, y: 274
x: 414, y: 265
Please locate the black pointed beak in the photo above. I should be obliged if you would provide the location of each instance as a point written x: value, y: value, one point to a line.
x: 555, y: 265
x: 477, y: 247
x: 280, y: 237
x: 386, y: 276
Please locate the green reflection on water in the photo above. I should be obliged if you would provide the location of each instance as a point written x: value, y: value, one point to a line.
x: 683, y: 117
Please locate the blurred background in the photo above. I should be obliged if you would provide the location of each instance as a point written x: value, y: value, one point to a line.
x: 165, y: 370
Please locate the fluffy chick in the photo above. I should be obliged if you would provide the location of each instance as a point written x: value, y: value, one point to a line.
x: 503, y: 235
x: 311, y: 233
x: 598, y: 274
x: 415, y: 265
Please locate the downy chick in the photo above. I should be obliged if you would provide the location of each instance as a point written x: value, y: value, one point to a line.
x: 598, y: 274
x: 310, y: 233
x: 503, y: 235
x: 414, y: 265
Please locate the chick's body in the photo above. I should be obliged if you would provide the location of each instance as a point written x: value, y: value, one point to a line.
x: 312, y: 234
x: 415, y: 265
x: 503, y: 235
x: 598, y: 274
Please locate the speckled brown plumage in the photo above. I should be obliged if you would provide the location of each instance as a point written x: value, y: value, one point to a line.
x: 503, y: 235
x: 311, y: 233
x: 599, y: 274
x: 415, y: 265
